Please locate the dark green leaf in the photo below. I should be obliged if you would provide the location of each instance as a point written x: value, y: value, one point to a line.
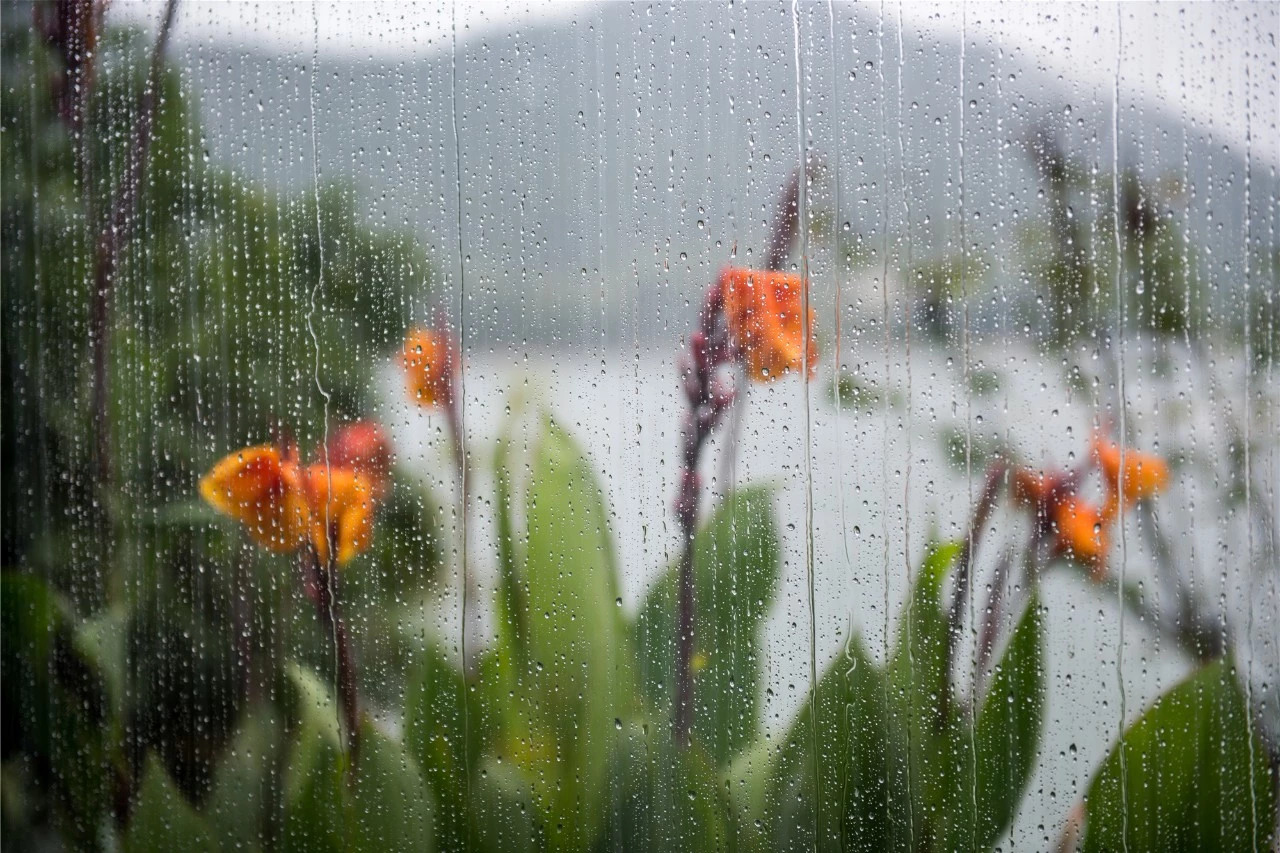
x: 1007, y: 731
x: 854, y: 769
x: 389, y: 807
x: 737, y: 562
x: 1189, y: 774
x: 445, y: 732
x: 661, y: 797
x: 163, y: 820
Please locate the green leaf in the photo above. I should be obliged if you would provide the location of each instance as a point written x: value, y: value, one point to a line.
x: 1006, y: 734
x: 575, y: 683
x: 661, y: 797
x: 163, y: 820
x: 503, y: 794
x: 55, y: 704
x: 936, y: 780
x: 246, y: 788
x: 737, y: 564
x: 315, y: 801
x: 445, y: 731
x: 382, y: 805
x: 916, y: 668
x: 854, y: 767
x: 1189, y: 774
x: 389, y: 807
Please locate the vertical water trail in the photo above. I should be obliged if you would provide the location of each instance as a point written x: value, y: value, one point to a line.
x: 1248, y: 415
x: 802, y: 232
x: 839, y: 270
x: 906, y: 484
x: 315, y: 342
x: 968, y: 422
x: 884, y: 322
x: 1123, y: 437
x: 461, y: 437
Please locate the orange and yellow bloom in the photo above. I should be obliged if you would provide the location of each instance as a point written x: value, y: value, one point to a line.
x: 1082, y: 532
x: 431, y: 360
x: 261, y: 487
x: 1079, y: 527
x: 764, y: 311
x: 285, y: 506
x: 1129, y: 475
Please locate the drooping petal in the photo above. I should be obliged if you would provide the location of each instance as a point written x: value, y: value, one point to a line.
x: 1081, y: 530
x: 430, y: 359
x: 259, y: 487
x: 1129, y: 475
x: 1032, y: 488
x: 342, y: 504
x: 764, y: 310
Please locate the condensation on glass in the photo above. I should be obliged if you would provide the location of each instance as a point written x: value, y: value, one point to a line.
x: 617, y: 427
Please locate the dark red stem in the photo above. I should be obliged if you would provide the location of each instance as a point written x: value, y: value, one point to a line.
x: 325, y: 580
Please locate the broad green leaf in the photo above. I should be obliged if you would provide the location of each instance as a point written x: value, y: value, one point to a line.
x: 846, y: 791
x: 389, y: 808
x: 1006, y: 734
x: 247, y: 789
x: 937, y: 777
x: 163, y: 820
x: 576, y: 679
x: 737, y: 564
x: 315, y: 801
x: 55, y: 704
x: 916, y: 668
x: 504, y: 796
x: 661, y: 797
x: 445, y: 731
x: 1189, y: 774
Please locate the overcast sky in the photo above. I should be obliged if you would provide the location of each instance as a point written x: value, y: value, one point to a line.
x: 1214, y: 62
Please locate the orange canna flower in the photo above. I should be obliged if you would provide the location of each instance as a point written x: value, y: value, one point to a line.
x: 1082, y: 533
x: 261, y: 488
x: 764, y: 312
x: 430, y: 361
x: 1130, y: 474
x: 341, y: 511
x: 284, y: 505
x: 364, y: 448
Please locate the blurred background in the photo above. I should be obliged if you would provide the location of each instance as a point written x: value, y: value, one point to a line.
x: 1022, y: 223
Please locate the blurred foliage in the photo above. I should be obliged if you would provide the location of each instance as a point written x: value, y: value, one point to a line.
x: 148, y: 624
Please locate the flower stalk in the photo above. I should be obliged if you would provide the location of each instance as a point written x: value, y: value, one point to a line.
x: 324, y: 581
x: 709, y: 399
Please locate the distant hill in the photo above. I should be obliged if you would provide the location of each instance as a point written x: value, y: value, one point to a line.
x: 610, y: 165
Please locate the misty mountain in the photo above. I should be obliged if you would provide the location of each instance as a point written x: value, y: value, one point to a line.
x: 584, y: 180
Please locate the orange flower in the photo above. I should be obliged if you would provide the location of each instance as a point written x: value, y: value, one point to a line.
x: 283, y: 505
x: 341, y: 511
x: 362, y: 447
x: 1082, y: 533
x: 430, y: 361
x: 261, y: 488
x: 1127, y: 473
x: 764, y: 312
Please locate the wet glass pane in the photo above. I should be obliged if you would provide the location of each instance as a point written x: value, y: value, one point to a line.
x: 539, y: 426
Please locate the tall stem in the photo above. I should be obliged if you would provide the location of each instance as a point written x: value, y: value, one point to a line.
x: 325, y: 579
x: 964, y: 571
x: 707, y: 348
